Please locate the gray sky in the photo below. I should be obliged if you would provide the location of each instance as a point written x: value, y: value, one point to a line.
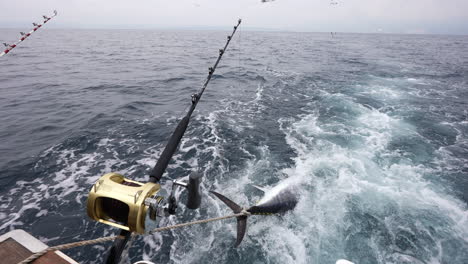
x: 391, y: 16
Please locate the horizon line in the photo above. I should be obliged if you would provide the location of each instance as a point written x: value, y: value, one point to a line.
x: 222, y: 28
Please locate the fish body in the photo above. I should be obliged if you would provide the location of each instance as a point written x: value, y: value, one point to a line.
x: 280, y: 199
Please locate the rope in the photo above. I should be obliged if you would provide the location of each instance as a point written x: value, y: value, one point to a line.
x: 197, y: 222
x: 110, y: 238
x: 67, y: 246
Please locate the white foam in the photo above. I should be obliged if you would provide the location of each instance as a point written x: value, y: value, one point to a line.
x: 353, y: 170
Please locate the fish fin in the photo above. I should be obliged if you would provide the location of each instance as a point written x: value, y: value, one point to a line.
x: 241, y: 220
x: 343, y: 261
x: 263, y: 189
x: 241, y: 229
x: 234, y: 207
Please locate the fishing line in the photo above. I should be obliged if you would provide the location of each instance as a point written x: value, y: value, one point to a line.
x: 240, y: 45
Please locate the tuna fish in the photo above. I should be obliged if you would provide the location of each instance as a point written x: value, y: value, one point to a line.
x: 278, y: 200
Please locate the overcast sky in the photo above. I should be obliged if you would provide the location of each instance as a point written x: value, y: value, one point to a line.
x: 391, y: 16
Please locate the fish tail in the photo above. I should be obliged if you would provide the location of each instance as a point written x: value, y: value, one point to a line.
x: 241, y: 220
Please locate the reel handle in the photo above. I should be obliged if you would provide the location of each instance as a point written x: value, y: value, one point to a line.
x: 193, y: 189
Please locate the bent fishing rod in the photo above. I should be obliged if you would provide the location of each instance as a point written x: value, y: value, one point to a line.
x: 137, y: 207
x: 24, y: 36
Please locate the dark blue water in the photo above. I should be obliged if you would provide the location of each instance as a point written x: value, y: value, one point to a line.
x: 374, y: 127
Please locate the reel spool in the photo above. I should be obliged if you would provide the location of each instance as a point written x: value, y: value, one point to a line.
x: 120, y: 202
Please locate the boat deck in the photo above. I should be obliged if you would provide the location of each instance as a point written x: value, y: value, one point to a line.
x: 17, y: 245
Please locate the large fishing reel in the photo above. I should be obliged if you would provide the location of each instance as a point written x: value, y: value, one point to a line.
x: 134, y: 206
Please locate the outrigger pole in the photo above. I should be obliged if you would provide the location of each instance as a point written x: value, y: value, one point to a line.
x: 24, y: 36
x: 171, y: 146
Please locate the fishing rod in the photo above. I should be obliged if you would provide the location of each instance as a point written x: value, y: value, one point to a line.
x: 24, y: 36
x: 136, y: 207
x: 163, y: 161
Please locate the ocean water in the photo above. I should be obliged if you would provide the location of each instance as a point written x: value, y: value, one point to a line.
x: 373, y: 127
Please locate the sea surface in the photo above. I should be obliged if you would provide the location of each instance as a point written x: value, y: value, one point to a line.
x: 373, y: 127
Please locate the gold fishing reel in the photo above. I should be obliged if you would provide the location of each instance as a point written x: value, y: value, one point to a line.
x: 122, y: 203
x: 135, y: 206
